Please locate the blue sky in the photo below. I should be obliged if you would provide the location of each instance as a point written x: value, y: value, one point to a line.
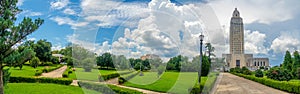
x: 166, y: 28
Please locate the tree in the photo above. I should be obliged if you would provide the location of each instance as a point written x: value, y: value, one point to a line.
x: 296, y: 63
x: 259, y: 73
x: 205, y: 64
x: 87, y: 64
x: 160, y: 70
x: 107, y: 60
x: 10, y: 33
x: 34, y: 62
x: 287, y: 63
x: 43, y: 50
x: 210, y: 49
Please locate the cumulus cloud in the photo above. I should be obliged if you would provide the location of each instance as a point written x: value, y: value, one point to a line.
x: 20, y: 2
x: 69, y: 11
x: 254, y: 42
x: 30, y: 13
x: 59, y: 4
x: 285, y: 42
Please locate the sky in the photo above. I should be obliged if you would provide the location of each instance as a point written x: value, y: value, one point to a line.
x: 166, y: 28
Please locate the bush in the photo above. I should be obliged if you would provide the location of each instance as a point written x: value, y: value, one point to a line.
x: 38, y: 72
x: 34, y: 62
x: 236, y: 70
x: 292, y: 87
x: 259, y: 73
x: 62, y: 81
x: 122, y: 80
x: 110, y: 76
x: 279, y: 74
x: 107, y: 89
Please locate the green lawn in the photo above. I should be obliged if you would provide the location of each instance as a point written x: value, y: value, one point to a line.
x: 39, y: 88
x: 173, y: 82
x: 26, y: 70
x: 91, y: 76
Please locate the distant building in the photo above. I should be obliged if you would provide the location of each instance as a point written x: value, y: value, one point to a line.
x: 60, y: 56
x: 149, y: 56
x: 237, y: 57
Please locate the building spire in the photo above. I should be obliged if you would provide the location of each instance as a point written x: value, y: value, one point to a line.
x: 236, y: 13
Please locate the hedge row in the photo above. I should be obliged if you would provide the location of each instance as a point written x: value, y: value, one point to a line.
x: 63, y: 81
x: 292, y: 87
x: 107, y: 89
x: 46, y: 70
x: 209, y: 84
x: 124, y: 79
x: 67, y: 72
x: 110, y: 76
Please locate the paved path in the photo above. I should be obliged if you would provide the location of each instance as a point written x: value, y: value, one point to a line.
x: 56, y: 73
x: 231, y: 84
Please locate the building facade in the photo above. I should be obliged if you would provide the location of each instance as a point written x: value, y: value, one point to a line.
x: 237, y: 57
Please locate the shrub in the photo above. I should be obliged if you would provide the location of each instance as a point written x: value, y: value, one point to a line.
x: 110, y: 76
x: 236, y: 70
x: 62, y: 81
x: 259, y: 73
x: 34, y: 62
x: 38, y: 72
x: 279, y: 74
x: 107, y: 89
x: 124, y: 79
x: 292, y: 87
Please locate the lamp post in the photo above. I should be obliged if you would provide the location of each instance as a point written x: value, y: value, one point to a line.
x: 201, y: 37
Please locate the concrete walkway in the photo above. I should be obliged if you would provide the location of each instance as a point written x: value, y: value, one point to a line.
x: 56, y: 73
x: 231, y: 84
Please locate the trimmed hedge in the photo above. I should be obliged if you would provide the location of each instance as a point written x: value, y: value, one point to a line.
x: 46, y: 70
x: 63, y: 81
x: 292, y: 87
x: 107, y: 89
x: 122, y: 80
x: 110, y: 76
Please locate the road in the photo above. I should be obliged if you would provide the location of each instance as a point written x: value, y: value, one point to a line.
x: 231, y: 84
x: 56, y: 73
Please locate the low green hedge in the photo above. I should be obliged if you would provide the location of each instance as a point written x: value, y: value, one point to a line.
x: 63, y: 81
x: 124, y: 79
x: 106, y: 88
x: 292, y: 87
x: 110, y: 76
x: 46, y: 70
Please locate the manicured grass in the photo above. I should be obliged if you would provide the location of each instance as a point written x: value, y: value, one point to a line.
x: 39, y: 88
x: 26, y: 70
x: 80, y: 74
x: 173, y: 82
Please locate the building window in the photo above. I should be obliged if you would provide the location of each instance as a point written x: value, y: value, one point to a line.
x: 238, y: 63
x: 254, y: 63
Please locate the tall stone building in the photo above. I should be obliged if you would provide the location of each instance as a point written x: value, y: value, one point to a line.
x: 237, y: 57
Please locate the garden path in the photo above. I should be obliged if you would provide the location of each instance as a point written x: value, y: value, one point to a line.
x: 56, y: 73
x: 231, y: 84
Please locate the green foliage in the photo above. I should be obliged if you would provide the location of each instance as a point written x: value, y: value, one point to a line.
x: 236, y: 70
x: 259, y: 73
x: 292, y: 87
x: 123, y: 79
x: 63, y: 81
x: 160, y: 70
x: 46, y: 70
x: 6, y: 76
x: 106, y: 60
x: 87, y: 64
x: 105, y: 77
x: 107, y: 89
x: 43, y: 50
x: 34, y: 62
x: 296, y: 64
x: 246, y: 71
x: 287, y: 63
x: 279, y: 74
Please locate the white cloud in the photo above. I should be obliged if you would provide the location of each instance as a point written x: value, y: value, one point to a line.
x: 59, y: 4
x: 56, y: 47
x: 69, y: 11
x: 20, y: 2
x: 285, y: 42
x: 254, y: 42
x: 29, y: 13
x: 68, y: 21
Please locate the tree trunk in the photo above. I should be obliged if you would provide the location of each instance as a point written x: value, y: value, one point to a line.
x: 1, y: 80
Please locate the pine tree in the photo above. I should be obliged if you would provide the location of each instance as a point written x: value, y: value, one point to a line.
x: 10, y: 33
x: 288, y: 63
x: 296, y: 63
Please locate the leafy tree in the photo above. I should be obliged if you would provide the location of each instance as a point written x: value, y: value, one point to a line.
x: 120, y: 62
x: 287, y: 63
x: 210, y: 50
x: 205, y: 67
x: 298, y: 73
x: 160, y: 70
x: 10, y: 33
x: 296, y: 63
x: 259, y: 73
x: 43, y: 50
x: 87, y: 64
x: 107, y: 60
x: 34, y: 62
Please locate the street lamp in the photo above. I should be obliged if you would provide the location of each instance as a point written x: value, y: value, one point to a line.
x: 201, y: 37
